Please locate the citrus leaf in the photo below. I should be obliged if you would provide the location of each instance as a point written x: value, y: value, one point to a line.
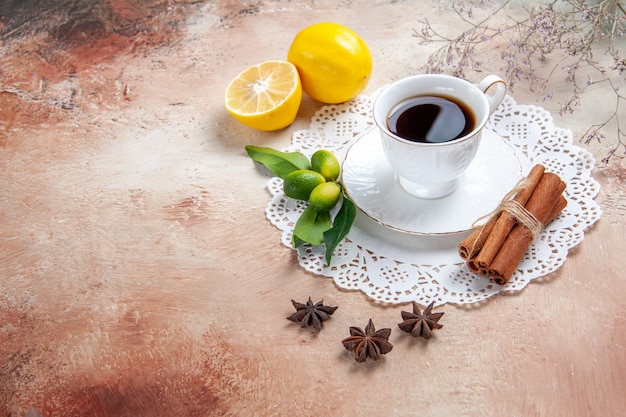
x: 310, y: 227
x: 278, y: 162
x: 341, y: 226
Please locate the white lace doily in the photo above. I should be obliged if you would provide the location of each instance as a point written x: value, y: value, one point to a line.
x: 393, y: 267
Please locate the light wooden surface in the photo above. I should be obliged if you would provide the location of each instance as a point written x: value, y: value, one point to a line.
x: 140, y: 277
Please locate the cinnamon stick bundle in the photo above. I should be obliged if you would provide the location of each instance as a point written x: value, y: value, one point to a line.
x: 481, y: 247
x: 496, y: 248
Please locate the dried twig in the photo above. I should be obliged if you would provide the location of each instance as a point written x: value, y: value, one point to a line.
x: 562, y: 33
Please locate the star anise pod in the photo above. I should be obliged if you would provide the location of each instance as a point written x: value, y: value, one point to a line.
x: 369, y: 343
x: 420, y: 324
x: 310, y: 314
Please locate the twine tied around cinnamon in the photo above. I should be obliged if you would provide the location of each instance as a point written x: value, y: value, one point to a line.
x: 523, y: 217
x: 515, y: 209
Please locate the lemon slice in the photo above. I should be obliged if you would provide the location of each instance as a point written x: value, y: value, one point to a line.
x: 265, y: 96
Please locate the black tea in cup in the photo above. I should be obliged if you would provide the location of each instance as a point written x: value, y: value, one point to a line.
x: 431, y: 119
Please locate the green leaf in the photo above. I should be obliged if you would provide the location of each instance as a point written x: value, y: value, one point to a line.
x: 278, y: 162
x: 310, y: 227
x: 341, y: 226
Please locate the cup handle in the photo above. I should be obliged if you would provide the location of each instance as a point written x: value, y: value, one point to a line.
x: 497, y: 97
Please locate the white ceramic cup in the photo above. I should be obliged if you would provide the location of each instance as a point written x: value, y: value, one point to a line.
x: 432, y: 170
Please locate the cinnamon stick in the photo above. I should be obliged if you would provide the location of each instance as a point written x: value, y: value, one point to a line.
x: 482, y: 245
x: 472, y: 244
x: 477, y: 240
x: 545, y: 204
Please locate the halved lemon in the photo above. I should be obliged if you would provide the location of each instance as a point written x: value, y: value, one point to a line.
x: 265, y: 96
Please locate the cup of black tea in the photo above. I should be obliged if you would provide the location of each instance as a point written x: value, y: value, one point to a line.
x: 431, y: 127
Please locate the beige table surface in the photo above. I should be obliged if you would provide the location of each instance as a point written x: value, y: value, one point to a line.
x: 140, y: 277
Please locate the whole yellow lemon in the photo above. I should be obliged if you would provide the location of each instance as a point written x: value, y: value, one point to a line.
x: 334, y: 63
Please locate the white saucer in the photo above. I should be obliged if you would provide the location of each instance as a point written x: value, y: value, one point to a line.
x: 371, y: 183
